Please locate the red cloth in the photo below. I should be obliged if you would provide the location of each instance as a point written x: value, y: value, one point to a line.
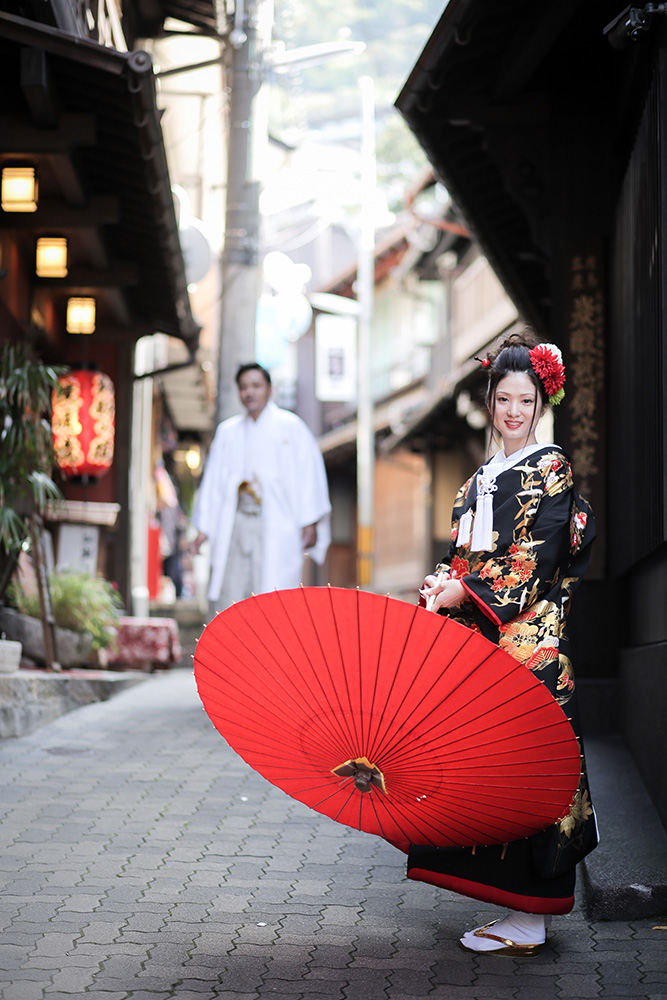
x: 146, y: 642
x: 154, y: 560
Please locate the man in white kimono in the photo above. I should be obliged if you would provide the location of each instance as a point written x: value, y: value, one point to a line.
x: 264, y: 498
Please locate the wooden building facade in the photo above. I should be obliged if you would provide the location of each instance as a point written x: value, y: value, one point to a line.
x: 80, y: 109
x: 546, y: 123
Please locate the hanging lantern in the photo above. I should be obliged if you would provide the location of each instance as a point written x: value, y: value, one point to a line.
x: 51, y: 257
x: 83, y: 424
x: 18, y: 191
x: 80, y: 315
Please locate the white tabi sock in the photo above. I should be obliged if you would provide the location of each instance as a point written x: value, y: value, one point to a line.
x: 521, y: 928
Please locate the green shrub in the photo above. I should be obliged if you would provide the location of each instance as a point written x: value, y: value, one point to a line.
x: 26, y: 442
x: 81, y: 603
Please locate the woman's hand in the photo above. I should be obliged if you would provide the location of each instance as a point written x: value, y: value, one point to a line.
x: 441, y: 592
x: 452, y: 593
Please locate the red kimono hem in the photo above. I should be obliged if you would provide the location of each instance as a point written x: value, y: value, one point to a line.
x: 491, y: 894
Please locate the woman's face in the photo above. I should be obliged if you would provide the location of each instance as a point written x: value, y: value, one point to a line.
x: 516, y: 413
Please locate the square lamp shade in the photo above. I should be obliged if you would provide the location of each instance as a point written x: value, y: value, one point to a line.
x: 51, y: 258
x: 80, y: 315
x: 19, y: 189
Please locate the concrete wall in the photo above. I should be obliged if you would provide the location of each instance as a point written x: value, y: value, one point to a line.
x: 644, y: 716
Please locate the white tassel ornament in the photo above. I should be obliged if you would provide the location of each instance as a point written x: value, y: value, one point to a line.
x: 482, y: 531
x: 465, y: 524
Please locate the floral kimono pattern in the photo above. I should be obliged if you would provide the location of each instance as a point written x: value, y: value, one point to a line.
x: 518, y: 597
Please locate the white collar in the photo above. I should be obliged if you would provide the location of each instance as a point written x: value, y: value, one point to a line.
x: 501, y: 462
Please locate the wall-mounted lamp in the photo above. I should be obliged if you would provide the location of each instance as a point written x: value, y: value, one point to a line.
x: 193, y: 457
x: 51, y: 257
x: 19, y: 189
x: 80, y: 315
x: 631, y: 24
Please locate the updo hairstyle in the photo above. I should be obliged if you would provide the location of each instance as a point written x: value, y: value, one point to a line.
x: 513, y: 355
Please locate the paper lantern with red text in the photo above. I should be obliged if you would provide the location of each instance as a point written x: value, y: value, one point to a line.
x: 84, y: 423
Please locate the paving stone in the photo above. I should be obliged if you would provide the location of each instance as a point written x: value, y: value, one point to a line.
x: 60, y: 995
x: 304, y: 988
x: 333, y: 956
x: 270, y: 991
x: 501, y: 977
x: 104, y: 994
x: 345, y: 916
x: 120, y: 991
x: 25, y: 990
x: 446, y: 993
x: 55, y: 944
x: 627, y: 991
x: 619, y: 972
x: 457, y: 973
x: 189, y: 991
x: 534, y: 993
x: 28, y: 975
x: 573, y: 985
x: 74, y: 981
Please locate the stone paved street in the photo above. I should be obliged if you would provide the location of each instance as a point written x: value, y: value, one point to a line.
x: 141, y: 858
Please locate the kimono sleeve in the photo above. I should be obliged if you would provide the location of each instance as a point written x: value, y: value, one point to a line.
x: 510, y: 581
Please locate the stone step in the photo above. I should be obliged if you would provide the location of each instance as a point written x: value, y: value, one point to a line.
x: 625, y: 877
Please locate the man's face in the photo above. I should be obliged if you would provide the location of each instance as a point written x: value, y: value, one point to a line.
x: 254, y: 392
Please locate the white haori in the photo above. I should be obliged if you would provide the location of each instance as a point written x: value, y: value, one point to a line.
x: 477, y: 531
x: 279, y: 453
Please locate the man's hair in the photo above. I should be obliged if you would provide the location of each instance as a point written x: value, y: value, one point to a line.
x: 252, y: 366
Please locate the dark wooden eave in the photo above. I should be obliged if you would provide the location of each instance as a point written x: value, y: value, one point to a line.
x: 485, y: 100
x: 97, y: 122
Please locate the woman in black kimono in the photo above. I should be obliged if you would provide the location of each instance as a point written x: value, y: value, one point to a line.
x: 520, y: 543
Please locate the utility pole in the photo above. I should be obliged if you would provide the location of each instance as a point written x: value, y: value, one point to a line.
x: 240, y: 256
x: 365, y: 295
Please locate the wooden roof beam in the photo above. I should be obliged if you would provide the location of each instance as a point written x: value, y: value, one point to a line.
x: 21, y: 139
x: 100, y: 210
x: 86, y: 280
x: 38, y: 88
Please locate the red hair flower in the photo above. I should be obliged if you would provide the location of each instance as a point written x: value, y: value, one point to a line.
x: 547, y: 362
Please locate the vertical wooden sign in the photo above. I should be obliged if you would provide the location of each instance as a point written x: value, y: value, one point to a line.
x: 583, y: 419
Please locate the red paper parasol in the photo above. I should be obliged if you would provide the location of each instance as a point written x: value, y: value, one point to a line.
x: 387, y: 717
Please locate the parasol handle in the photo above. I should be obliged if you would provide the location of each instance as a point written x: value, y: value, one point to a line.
x: 363, y: 781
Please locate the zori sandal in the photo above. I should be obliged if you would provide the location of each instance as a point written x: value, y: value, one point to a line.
x: 510, y: 948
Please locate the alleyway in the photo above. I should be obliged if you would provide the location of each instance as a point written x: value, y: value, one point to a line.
x: 142, y: 859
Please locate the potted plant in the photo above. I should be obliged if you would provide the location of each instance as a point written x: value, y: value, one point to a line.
x: 84, y: 606
x: 10, y: 654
